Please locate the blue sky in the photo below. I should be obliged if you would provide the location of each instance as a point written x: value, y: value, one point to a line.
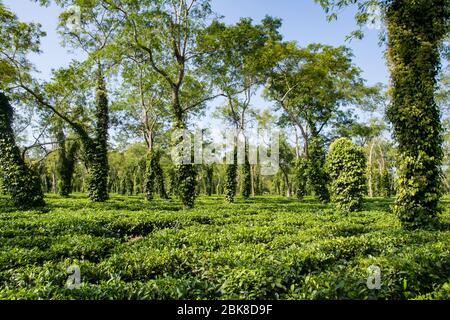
x: 303, y: 21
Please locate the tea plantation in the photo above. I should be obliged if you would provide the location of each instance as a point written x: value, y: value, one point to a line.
x: 264, y: 248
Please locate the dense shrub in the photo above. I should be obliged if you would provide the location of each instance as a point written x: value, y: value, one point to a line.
x: 346, y: 164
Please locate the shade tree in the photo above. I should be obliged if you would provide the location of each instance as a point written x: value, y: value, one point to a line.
x: 414, y: 33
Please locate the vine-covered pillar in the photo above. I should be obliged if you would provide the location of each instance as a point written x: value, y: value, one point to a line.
x: 209, y: 179
x: 246, y: 181
x: 154, y: 176
x: 185, y: 173
x: 230, y: 187
x: 20, y: 181
x: 98, y: 157
x: 416, y: 30
x: 66, y: 163
x: 301, y: 178
x: 317, y: 175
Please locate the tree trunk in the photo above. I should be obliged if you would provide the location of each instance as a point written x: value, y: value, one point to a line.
x: 186, y: 174
x: 317, y: 176
x: 246, y: 183
x: 415, y: 33
x: 66, y: 164
x: 19, y: 180
x: 230, y: 179
x: 97, y: 150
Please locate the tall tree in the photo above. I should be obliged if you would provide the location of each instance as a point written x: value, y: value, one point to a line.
x: 166, y: 32
x: 243, y: 54
x: 415, y: 33
x: 311, y: 86
x: 93, y: 36
x: 143, y: 109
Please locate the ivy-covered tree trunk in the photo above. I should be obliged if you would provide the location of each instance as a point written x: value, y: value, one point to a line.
x: 2, y: 189
x: 66, y: 164
x: 20, y: 181
x: 246, y: 177
x: 317, y: 175
x: 386, y: 189
x: 172, y: 181
x: 186, y: 177
x: 150, y: 178
x: 160, y: 182
x: 154, y: 177
x: 301, y: 178
x: 209, y: 179
x: 287, y: 184
x: 185, y: 174
x: 97, y: 153
x: 415, y: 32
x: 231, y: 179
x: 123, y: 185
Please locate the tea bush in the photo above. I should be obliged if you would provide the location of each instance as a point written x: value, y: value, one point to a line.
x: 263, y: 248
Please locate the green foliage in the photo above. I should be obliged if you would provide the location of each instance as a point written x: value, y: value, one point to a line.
x: 231, y: 173
x: 246, y: 179
x: 416, y: 30
x: 154, y: 175
x: 97, y: 150
x: 18, y: 39
x: 386, y: 184
x: 186, y: 179
x: 209, y: 179
x: 301, y: 177
x: 230, y: 187
x: 19, y: 180
x: 317, y: 175
x: 270, y: 248
x: 346, y: 166
x: 66, y: 163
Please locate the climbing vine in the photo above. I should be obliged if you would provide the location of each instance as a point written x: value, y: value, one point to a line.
x: 231, y: 180
x: 415, y: 33
x: 301, y: 178
x: 19, y: 180
x: 316, y: 173
x: 346, y: 165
